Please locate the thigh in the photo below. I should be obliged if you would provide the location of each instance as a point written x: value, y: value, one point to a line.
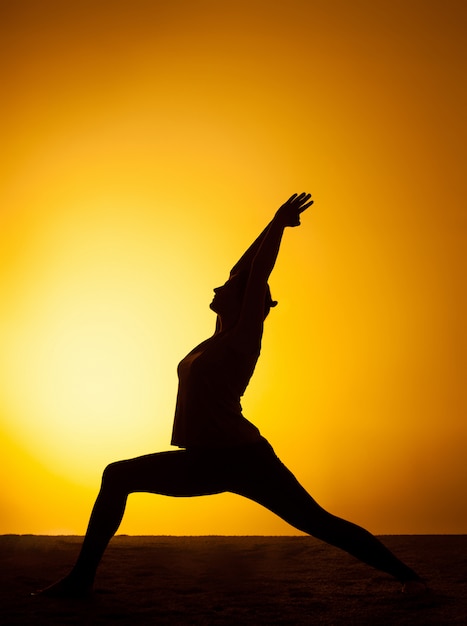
x: 174, y: 473
x: 273, y: 485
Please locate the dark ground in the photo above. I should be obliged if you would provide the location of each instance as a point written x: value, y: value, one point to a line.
x: 233, y: 580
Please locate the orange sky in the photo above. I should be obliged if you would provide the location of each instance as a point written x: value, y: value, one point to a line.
x: 145, y: 145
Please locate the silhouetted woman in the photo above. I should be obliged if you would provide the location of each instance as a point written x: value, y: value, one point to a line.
x: 220, y: 449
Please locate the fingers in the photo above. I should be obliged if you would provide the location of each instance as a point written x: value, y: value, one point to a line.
x: 302, y: 202
x: 305, y: 206
x: 303, y: 197
x: 295, y: 205
x: 299, y: 199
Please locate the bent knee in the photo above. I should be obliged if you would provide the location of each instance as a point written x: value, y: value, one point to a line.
x: 113, y: 473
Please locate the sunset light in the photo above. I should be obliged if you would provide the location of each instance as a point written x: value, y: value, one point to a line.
x: 145, y: 146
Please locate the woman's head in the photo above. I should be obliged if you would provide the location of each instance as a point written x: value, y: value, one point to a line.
x: 228, y: 299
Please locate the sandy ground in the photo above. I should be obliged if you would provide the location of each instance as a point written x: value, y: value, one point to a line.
x: 232, y: 580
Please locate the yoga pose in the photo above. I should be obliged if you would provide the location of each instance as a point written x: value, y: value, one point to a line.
x: 220, y: 449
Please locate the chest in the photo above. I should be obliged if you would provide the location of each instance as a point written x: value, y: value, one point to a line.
x: 216, y: 364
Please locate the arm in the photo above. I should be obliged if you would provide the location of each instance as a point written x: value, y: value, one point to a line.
x: 244, y: 263
x: 249, y: 327
x: 265, y: 258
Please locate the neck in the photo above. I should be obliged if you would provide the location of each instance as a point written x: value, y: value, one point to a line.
x: 224, y: 324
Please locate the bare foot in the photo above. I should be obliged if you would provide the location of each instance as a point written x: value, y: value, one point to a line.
x: 415, y: 588
x: 68, y: 587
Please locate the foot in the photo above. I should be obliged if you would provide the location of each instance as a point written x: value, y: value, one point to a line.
x: 68, y: 587
x: 416, y: 589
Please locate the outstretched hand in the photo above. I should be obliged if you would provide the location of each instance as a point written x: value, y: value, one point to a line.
x: 289, y: 212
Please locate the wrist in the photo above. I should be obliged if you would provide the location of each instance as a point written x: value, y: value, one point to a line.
x: 279, y: 219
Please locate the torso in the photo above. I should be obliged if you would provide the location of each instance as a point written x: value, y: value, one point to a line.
x: 212, y: 379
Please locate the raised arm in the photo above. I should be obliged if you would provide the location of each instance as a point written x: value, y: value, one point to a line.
x: 287, y: 215
x: 244, y: 263
x: 249, y: 327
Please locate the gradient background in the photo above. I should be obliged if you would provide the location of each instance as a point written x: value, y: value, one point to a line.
x: 145, y: 145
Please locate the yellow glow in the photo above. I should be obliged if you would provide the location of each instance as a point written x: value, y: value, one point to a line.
x: 80, y: 340
x: 145, y: 146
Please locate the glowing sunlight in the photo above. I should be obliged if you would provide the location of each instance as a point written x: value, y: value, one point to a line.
x: 146, y: 145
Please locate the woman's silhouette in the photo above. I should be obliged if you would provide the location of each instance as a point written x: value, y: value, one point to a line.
x: 221, y: 450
